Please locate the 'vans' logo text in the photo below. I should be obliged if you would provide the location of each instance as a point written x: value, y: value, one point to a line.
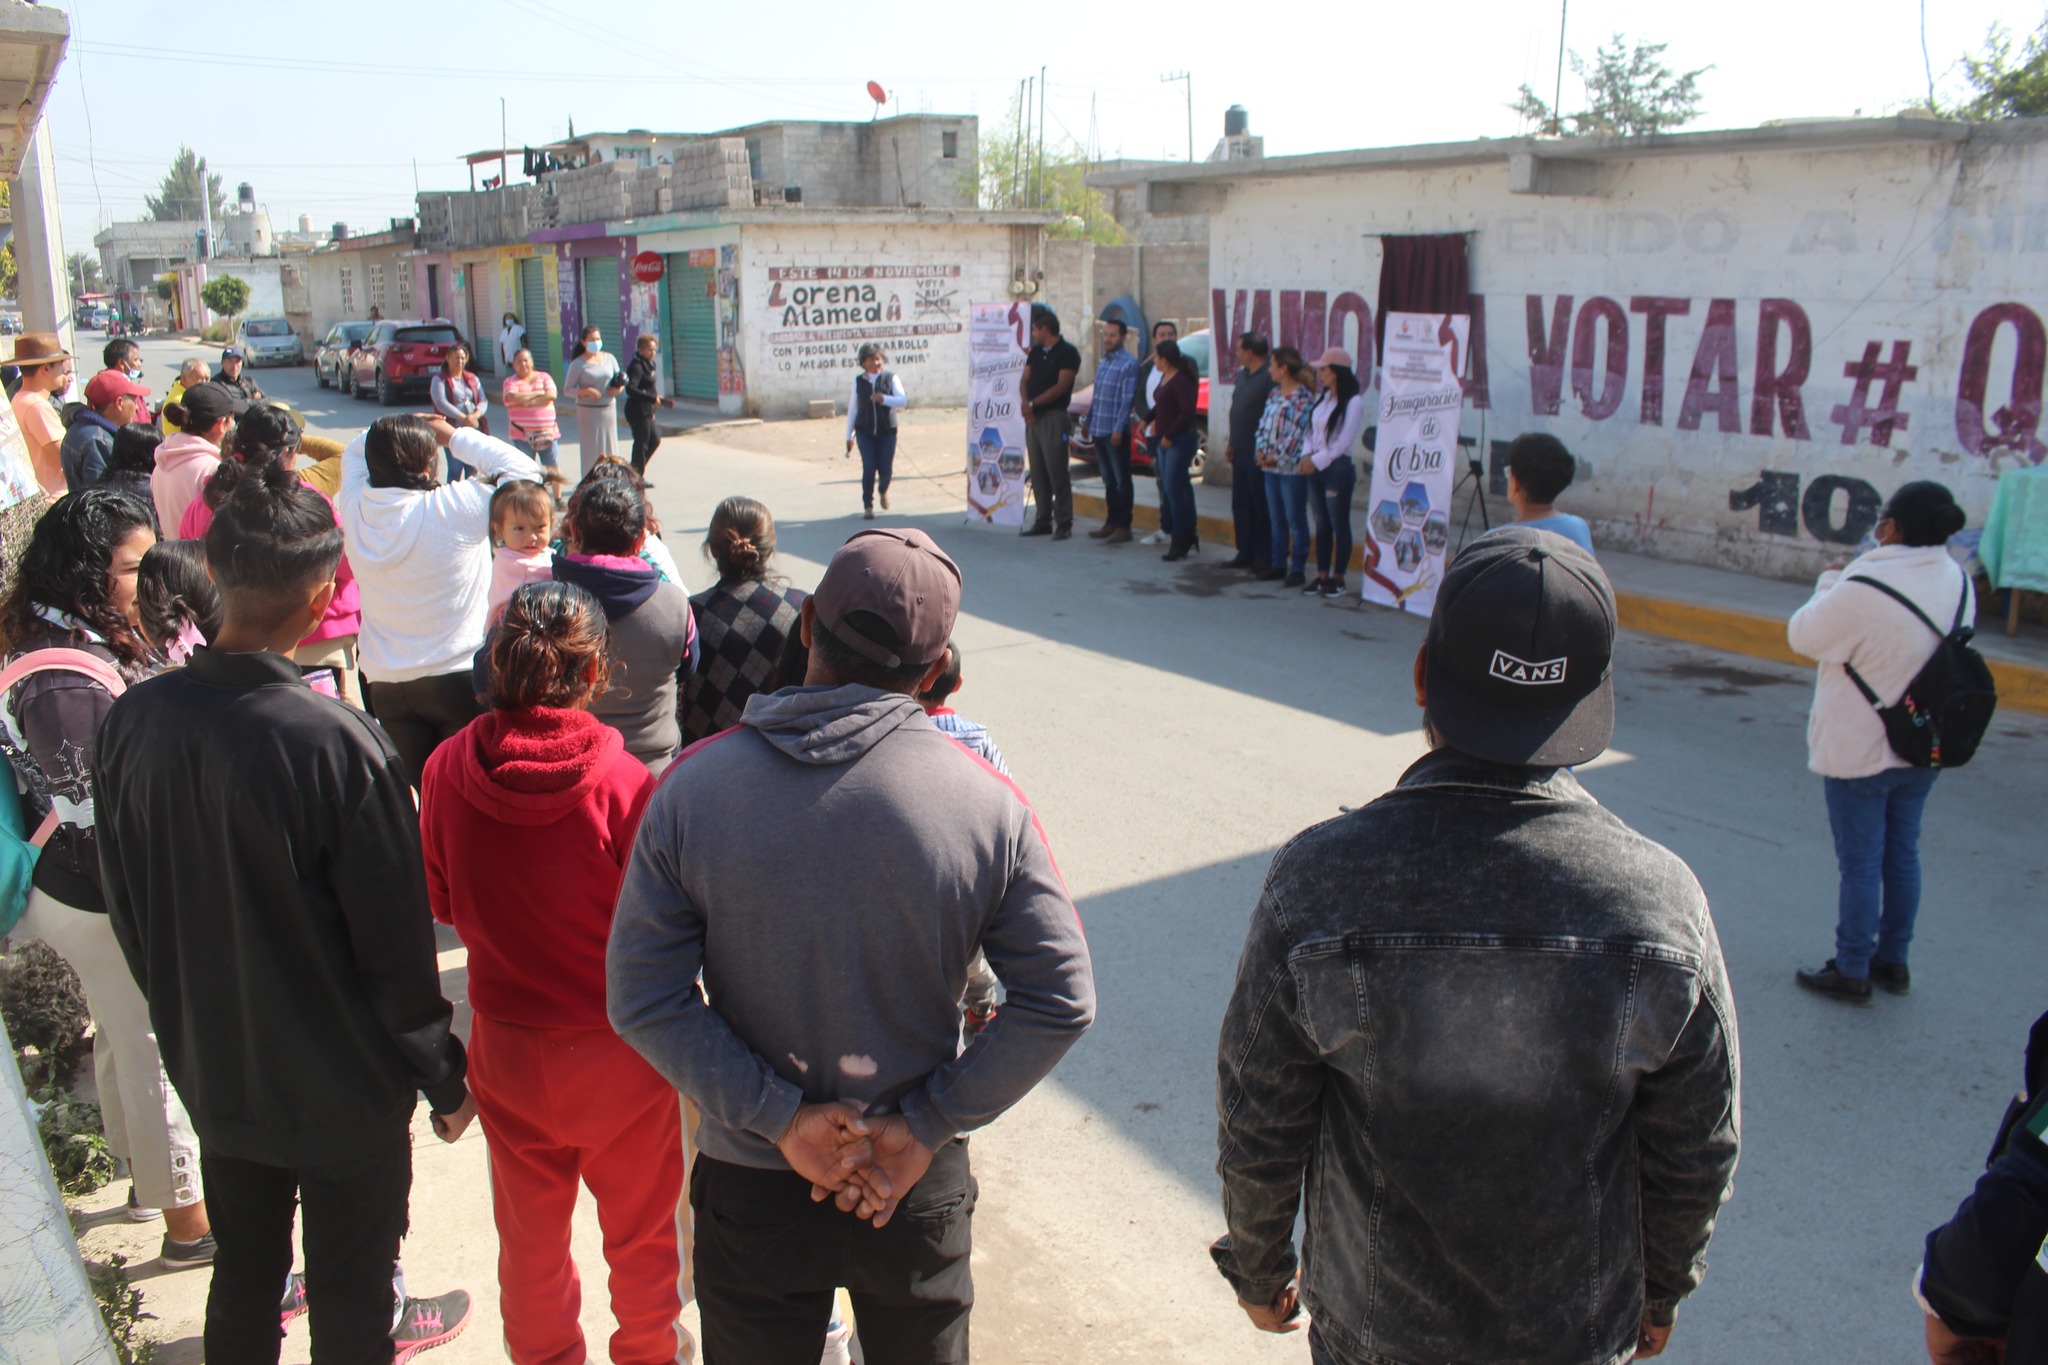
x: 1508, y: 668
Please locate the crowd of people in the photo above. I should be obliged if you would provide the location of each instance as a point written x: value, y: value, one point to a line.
x: 759, y: 928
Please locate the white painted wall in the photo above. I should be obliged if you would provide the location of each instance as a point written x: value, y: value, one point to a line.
x: 1875, y: 246
x: 934, y: 271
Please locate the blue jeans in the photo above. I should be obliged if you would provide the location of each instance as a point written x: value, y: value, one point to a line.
x: 1876, y: 822
x: 1157, y: 455
x: 457, y: 470
x: 1287, y: 502
x: 877, y: 460
x: 1113, y: 458
x: 1177, y: 484
x: 1332, y: 506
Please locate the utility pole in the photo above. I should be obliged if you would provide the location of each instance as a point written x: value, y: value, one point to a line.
x: 501, y: 142
x: 1557, y: 94
x: 1017, y: 151
x: 1187, y: 79
x: 1041, y: 137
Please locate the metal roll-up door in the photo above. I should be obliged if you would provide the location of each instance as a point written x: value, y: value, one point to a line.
x: 533, y: 312
x: 483, y: 331
x: 601, y: 302
x: 693, y: 329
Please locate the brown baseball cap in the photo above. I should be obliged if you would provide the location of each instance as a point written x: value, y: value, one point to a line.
x: 903, y: 577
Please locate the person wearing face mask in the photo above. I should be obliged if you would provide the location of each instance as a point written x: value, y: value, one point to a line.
x: 595, y: 378
x: 511, y: 341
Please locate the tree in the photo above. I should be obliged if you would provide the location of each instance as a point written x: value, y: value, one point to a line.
x: 1630, y: 92
x: 1013, y: 175
x: 227, y: 295
x: 8, y: 273
x: 2007, y: 88
x: 85, y: 273
x: 177, y: 199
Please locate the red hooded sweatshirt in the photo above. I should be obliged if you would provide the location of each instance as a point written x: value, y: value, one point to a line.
x: 527, y: 819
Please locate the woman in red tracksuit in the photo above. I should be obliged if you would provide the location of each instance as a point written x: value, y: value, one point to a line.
x: 527, y: 818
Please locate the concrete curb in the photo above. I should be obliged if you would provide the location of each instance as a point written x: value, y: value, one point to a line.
x: 2021, y: 687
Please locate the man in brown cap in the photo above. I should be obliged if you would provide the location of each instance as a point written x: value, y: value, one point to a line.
x: 45, y: 372
x: 790, y: 950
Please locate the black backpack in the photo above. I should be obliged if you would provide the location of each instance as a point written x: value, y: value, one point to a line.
x: 1947, y: 707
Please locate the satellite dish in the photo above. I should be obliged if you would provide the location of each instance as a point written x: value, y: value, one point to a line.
x: 877, y: 93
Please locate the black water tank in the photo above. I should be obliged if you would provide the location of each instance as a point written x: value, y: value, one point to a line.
x: 339, y: 231
x: 1236, y: 122
x: 245, y: 193
x: 792, y: 194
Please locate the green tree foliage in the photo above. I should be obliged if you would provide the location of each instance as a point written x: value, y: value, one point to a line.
x: 177, y: 198
x: 84, y: 269
x: 1014, y: 175
x: 227, y: 295
x: 2008, y: 84
x: 1630, y: 92
x: 8, y: 272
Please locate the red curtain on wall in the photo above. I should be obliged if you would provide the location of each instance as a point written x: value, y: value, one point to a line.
x: 1421, y: 275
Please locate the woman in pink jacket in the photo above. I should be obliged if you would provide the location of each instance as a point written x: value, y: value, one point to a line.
x: 188, y: 457
x: 265, y: 436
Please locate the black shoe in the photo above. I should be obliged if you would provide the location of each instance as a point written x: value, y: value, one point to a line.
x: 1269, y: 575
x: 1333, y: 587
x: 1314, y: 589
x: 1893, y: 976
x: 1178, y: 552
x: 177, y: 1255
x: 1063, y: 533
x: 1043, y: 528
x: 1294, y: 580
x: 1240, y: 562
x: 1829, y: 981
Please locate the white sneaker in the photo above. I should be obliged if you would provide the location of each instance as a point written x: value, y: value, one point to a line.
x: 1156, y: 538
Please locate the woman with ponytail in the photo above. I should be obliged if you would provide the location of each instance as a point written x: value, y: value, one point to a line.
x: 527, y: 818
x: 747, y: 638
x: 264, y: 438
x: 1875, y: 798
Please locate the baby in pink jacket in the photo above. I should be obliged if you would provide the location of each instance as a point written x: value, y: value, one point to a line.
x: 522, y: 525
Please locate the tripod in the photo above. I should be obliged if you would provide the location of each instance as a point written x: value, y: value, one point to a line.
x: 1476, y: 474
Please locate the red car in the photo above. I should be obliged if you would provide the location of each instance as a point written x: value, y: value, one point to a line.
x: 398, y: 359
x: 1195, y: 346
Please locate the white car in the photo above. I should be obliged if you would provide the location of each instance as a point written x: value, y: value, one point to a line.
x: 269, y: 341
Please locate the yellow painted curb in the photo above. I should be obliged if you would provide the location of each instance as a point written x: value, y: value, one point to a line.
x: 2021, y: 687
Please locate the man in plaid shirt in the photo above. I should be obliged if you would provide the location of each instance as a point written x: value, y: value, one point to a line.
x: 1109, y: 427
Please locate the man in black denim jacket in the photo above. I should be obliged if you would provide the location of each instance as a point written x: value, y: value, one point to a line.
x: 1481, y: 1025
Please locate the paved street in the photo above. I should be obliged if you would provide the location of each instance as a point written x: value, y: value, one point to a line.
x: 1173, y: 725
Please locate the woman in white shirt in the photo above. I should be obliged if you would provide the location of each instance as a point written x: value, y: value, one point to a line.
x: 421, y: 552
x: 1875, y: 798
x: 595, y: 378
x: 871, y: 423
x: 1332, y: 474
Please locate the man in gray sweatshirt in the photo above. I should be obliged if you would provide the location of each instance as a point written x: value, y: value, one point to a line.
x: 829, y: 867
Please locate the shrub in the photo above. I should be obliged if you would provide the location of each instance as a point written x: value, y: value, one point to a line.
x: 121, y: 1309
x: 44, y: 1007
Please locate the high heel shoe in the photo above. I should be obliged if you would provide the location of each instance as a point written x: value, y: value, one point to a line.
x: 1181, y: 550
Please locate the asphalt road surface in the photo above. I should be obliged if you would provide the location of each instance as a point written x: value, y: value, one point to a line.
x: 1173, y: 725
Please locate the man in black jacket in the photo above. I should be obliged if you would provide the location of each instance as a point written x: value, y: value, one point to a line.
x: 261, y: 861
x: 1984, y: 1282
x: 1248, y: 511
x: 643, y: 396
x: 1481, y: 1027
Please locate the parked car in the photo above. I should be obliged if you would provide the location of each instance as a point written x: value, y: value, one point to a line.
x: 336, y: 353
x: 1195, y: 346
x: 269, y: 341
x: 398, y: 359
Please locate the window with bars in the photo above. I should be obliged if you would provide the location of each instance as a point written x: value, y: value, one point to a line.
x: 405, y: 290
x: 377, y: 287
x: 348, y: 290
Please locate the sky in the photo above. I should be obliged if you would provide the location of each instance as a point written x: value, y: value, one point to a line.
x: 341, y: 111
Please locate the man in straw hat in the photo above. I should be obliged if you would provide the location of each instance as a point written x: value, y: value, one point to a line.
x: 45, y: 372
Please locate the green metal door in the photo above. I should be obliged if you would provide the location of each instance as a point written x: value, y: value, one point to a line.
x: 693, y: 329
x: 533, y: 312
x: 600, y: 277
x: 483, y: 328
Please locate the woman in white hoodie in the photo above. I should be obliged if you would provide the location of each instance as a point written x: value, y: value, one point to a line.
x: 1874, y: 797
x: 421, y: 552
